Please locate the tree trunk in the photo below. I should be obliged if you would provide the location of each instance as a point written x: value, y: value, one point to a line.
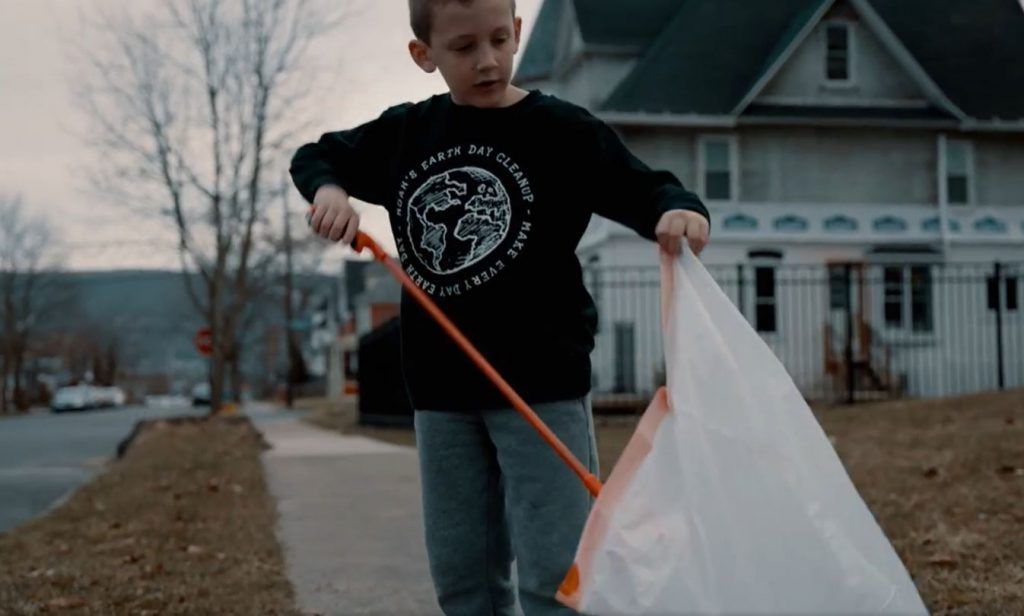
x: 3, y: 384
x: 236, y: 379
x: 216, y: 382
x: 21, y: 402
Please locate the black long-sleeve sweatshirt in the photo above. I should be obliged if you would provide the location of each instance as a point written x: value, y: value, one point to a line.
x: 487, y: 207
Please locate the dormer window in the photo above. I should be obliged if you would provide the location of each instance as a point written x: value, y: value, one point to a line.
x: 838, y: 52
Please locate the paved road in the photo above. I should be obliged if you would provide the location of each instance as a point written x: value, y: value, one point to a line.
x: 44, y: 456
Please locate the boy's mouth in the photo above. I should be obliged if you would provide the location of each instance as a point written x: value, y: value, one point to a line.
x: 487, y: 83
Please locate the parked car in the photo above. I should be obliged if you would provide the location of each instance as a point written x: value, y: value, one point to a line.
x: 85, y: 397
x: 201, y: 394
x: 107, y: 397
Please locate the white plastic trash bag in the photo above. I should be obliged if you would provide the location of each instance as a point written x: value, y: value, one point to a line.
x: 729, y: 497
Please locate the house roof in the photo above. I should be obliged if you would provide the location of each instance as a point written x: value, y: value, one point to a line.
x: 705, y: 56
x: 538, y: 58
x: 972, y: 50
x: 618, y: 23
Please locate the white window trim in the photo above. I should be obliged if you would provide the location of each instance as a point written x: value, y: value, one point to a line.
x: 734, y: 166
x: 851, y: 54
x: 943, y: 171
x: 905, y: 331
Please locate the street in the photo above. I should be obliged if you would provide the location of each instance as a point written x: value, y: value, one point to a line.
x: 44, y: 456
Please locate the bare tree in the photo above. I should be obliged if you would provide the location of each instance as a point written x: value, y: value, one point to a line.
x: 27, y: 290
x: 193, y: 106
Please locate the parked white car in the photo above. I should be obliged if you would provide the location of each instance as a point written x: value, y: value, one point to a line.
x: 108, y: 396
x: 84, y: 397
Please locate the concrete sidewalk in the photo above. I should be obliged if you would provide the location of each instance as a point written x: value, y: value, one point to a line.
x: 350, y: 519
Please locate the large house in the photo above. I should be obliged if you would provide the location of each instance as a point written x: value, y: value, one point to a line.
x: 863, y: 162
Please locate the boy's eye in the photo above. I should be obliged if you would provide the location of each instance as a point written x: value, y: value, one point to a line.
x: 466, y: 47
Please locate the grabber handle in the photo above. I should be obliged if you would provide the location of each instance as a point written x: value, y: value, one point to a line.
x: 592, y: 483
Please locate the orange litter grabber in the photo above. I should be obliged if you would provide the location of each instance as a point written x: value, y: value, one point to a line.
x: 592, y: 483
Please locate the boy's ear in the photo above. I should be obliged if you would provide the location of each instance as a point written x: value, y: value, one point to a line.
x: 518, y: 21
x: 420, y: 53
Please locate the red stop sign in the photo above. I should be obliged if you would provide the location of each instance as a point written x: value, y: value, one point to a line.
x: 204, y: 341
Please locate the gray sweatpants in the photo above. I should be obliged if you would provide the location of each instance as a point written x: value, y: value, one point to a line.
x: 493, y: 490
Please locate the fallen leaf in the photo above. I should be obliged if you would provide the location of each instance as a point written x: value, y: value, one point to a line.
x: 947, y: 562
x: 66, y: 603
x: 213, y: 485
x: 154, y: 569
x: 194, y: 549
x: 1006, y: 469
x: 1009, y: 421
x: 930, y: 472
x: 237, y: 489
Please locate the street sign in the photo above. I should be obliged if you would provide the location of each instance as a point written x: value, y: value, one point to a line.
x: 204, y: 341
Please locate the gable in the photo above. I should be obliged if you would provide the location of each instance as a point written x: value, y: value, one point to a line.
x: 876, y: 77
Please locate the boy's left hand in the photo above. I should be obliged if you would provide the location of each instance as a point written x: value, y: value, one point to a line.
x: 677, y: 224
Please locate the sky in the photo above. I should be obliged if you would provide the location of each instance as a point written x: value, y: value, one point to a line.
x: 44, y: 157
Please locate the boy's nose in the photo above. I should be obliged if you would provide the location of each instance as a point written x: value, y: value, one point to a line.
x: 486, y: 60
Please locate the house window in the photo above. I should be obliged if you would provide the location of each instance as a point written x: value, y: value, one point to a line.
x: 718, y: 173
x: 838, y: 52
x: 838, y: 287
x: 765, y: 291
x: 1010, y: 286
x: 893, y: 292
x: 766, y: 314
x: 958, y: 166
x: 907, y: 298
x: 625, y: 357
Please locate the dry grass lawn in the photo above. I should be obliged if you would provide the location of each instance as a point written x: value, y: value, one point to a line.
x: 183, y: 524
x: 944, y: 479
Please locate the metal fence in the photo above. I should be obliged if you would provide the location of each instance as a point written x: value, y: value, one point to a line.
x: 846, y: 332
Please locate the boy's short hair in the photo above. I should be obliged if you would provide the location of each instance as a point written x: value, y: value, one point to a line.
x: 421, y: 15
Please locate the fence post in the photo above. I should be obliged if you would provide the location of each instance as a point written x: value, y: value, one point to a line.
x: 850, y: 368
x: 999, y: 325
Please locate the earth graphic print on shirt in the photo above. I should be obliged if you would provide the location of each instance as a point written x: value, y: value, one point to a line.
x: 462, y: 216
x: 458, y: 218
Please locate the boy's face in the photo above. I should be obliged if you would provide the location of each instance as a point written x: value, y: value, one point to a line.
x: 473, y: 46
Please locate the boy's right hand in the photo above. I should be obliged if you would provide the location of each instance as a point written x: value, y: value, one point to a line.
x: 333, y: 217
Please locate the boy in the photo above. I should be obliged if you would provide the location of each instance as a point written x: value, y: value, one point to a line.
x: 489, y: 189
